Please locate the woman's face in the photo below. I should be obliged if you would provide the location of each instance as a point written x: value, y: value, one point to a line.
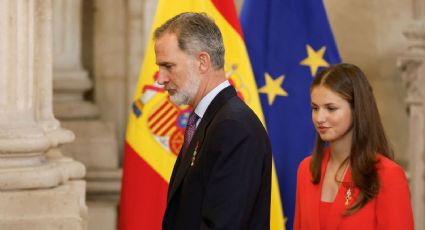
x: 331, y: 114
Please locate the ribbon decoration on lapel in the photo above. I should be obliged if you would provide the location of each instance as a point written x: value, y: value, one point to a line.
x: 194, y: 154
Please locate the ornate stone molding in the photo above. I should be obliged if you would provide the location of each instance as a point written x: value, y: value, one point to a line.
x: 412, y: 65
x: 415, y: 34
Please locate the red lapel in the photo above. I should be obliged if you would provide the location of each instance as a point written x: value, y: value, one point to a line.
x: 318, y: 190
x: 339, y: 206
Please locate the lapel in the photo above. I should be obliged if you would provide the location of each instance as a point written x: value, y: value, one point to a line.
x: 335, y: 217
x: 317, y: 193
x: 173, y: 174
x: 198, y: 138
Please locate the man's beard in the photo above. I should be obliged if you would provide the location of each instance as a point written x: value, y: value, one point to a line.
x: 187, y: 93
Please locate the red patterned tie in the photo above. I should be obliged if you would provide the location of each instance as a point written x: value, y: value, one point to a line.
x: 190, y: 131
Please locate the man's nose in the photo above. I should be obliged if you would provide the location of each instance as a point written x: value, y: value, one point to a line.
x: 162, y: 77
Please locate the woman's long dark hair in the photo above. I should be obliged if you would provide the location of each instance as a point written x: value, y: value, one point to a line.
x: 368, y: 139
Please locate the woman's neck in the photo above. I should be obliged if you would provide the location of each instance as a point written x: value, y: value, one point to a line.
x: 340, y: 149
x: 339, y: 152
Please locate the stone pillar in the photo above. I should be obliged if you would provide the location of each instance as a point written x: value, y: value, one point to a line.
x: 38, y: 190
x: 96, y: 144
x: 71, y: 80
x: 412, y: 65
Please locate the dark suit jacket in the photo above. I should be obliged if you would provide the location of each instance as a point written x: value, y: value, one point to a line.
x: 389, y: 210
x: 229, y: 184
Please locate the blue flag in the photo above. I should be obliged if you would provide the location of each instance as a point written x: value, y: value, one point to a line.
x: 288, y: 41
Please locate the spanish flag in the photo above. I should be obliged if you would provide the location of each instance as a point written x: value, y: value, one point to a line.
x: 155, y: 129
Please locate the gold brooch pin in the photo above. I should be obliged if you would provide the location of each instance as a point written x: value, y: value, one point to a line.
x: 348, y: 196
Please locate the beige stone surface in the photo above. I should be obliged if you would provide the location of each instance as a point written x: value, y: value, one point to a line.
x: 44, y: 209
x: 391, y: 104
x: 112, y: 105
x: 95, y: 144
x: 67, y: 36
x: 106, y: 181
x: 110, y: 63
x: 110, y: 38
x: 102, y: 215
x: 45, y: 174
x: 136, y: 43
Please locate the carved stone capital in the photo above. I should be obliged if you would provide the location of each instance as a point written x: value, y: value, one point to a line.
x: 415, y: 34
x: 412, y: 67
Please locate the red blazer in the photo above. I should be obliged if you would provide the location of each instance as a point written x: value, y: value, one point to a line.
x: 390, y: 209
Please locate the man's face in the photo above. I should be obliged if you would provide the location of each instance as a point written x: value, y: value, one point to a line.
x: 177, y: 70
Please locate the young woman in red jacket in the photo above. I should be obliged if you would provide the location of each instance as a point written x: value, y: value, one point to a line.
x: 350, y: 181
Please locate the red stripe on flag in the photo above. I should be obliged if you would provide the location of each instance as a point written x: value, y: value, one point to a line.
x: 169, y: 127
x: 158, y: 110
x: 228, y: 11
x: 160, y: 118
x: 167, y: 121
x: 143, y: 194
x: 154, y: 88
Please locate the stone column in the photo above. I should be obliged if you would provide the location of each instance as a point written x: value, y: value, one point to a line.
x: 71, y: 80
x: 36, y: 191
x: 412, y: 65
x: 96, y: 144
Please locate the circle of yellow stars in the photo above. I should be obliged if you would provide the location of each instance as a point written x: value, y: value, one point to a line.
x: 273, y: 87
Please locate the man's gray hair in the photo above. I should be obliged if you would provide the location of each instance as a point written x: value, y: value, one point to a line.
x: 195, y: 32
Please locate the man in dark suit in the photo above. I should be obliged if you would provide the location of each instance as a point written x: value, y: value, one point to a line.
x: 222, y: 176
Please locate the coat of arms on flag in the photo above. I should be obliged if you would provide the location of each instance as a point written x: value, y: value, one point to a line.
x: 167, y: 121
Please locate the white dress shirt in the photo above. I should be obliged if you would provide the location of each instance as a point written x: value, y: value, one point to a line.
x: 207, y: 99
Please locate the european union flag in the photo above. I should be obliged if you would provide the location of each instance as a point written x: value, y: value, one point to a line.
x: 288, y: 41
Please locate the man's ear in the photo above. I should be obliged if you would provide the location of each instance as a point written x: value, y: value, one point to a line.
x: 204, y: 61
